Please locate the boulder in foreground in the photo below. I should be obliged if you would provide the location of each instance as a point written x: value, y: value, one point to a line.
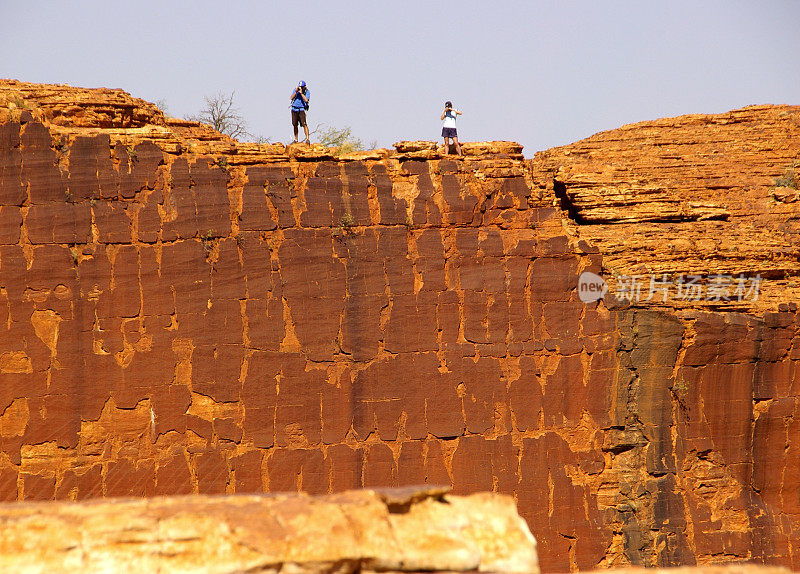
x: 405, y: 529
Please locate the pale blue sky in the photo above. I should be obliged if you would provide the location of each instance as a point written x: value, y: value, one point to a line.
x: 541, y: 73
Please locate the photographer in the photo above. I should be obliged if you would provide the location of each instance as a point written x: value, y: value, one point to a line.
x: 299, y: 98
x: 449, y: 127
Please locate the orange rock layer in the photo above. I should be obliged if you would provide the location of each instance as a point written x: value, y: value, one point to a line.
x: 697, y: 194
x: 184, y: 313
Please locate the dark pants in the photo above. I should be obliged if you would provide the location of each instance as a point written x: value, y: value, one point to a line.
x: 299, y: 118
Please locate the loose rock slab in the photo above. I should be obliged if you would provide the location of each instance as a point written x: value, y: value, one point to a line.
x: 391, y: 530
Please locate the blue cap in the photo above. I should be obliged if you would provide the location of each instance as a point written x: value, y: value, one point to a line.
x: 302, y: 84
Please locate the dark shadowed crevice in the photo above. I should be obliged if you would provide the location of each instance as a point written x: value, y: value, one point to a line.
x: 560, y: 189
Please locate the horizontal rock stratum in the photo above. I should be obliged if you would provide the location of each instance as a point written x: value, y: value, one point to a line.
x: 184, y: 313
x: 394, y: 530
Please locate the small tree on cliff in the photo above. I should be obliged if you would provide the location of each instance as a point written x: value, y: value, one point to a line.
x: 221, y: 113
x: 343, y: 139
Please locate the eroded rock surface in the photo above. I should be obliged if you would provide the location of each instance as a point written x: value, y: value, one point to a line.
x: 696, y: 194
x: 349, y: 532
x: 183, y: 313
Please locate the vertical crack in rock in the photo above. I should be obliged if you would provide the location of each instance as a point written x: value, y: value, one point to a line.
x: 566, y: 203
x: 640, y: 483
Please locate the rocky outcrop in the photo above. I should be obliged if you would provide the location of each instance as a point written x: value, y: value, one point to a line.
x: 389, y: 531
x: 701, y: 438
x: 183, y: 313
x: 696, y: 194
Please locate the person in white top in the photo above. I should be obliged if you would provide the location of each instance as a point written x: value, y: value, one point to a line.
x: 449, y: 127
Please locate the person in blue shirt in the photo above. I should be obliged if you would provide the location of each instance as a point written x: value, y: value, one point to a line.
x: 299, y: 99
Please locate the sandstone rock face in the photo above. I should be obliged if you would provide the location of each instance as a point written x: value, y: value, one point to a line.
x: 349, y: 532
x: 183, y: 313
x: 696, y: 194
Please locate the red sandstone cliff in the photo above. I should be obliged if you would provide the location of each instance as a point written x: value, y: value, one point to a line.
x: 184, y: 313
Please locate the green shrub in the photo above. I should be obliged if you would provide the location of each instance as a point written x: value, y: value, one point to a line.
x: 788, y: 179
